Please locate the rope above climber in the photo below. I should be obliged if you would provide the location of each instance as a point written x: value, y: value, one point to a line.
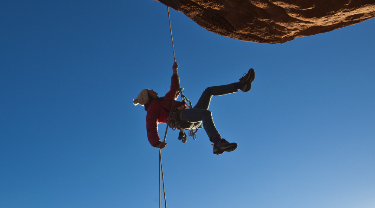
x: 159, y: 109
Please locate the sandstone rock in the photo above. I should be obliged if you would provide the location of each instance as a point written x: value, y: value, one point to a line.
x: 273, y: 21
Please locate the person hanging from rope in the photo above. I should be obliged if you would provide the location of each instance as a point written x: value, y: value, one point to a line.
x: 159, y: 108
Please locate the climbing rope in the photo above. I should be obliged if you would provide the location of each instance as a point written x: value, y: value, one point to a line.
x: 162, y: 175
x: 170, y: 29
x: 191, y: 132
x: 165, y: 136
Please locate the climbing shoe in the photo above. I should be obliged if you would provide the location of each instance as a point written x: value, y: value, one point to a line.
x: 224, y: 146
x: 247, y: 79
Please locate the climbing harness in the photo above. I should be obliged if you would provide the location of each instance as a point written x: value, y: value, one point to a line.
x: 174, y: 121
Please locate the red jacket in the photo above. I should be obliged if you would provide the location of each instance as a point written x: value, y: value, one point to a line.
x: 158, y: 111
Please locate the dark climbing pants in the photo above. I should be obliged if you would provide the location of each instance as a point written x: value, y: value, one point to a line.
x: 200, y: 112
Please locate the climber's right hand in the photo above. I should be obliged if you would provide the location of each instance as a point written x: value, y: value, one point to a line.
x: 161, y: 145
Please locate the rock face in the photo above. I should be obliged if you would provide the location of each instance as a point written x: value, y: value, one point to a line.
x: 273, y: 21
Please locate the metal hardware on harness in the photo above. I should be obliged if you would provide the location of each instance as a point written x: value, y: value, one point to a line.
x: 192, y: 133
x: 174, y: 120
x: 182, y: 136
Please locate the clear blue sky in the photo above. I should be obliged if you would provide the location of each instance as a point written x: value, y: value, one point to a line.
x: 71, y: 137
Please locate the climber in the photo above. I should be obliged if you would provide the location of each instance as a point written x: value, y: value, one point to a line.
x: 158, y: 110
